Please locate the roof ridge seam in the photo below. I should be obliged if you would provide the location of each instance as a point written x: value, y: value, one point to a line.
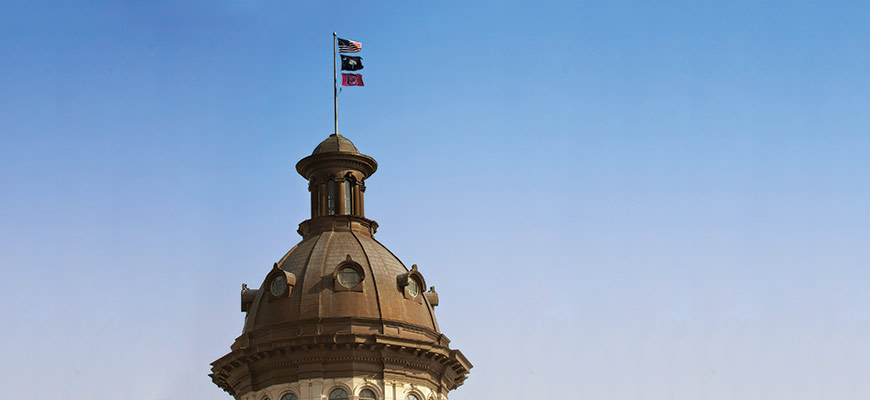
x: 303, y: 272
x: 322, y: 266
x: 428, y: 306
x: 372, y: 274
x: 281, y: 261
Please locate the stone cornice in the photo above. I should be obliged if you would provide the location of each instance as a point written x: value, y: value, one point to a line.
x: 260, y: 365
x: 359, y: 162
x: 337, y: 223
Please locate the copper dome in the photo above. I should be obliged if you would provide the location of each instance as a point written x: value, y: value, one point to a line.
x: 306, y: 322
x: 378, y: 301
x: 335, y: 143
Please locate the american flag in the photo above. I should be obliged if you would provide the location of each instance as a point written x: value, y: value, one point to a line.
x: 348, y: 46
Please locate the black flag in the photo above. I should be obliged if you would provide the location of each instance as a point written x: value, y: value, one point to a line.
x: 351, y: 63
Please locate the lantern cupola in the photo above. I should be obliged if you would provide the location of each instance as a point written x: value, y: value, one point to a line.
x: 336, y: 172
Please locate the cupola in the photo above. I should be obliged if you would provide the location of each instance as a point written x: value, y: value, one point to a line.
x: 336, y: 172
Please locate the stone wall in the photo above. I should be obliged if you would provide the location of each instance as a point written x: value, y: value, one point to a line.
x: 319, y: 389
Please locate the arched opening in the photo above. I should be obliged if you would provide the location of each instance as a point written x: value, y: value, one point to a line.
x: 348, y: 195
x: 330, y: 197
x: 338, y: 394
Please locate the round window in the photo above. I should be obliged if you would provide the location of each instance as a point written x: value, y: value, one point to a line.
x: 288, y: 396
x: 413, y: 287
x: 349, y: 277
x: 338, y: 394
x: 367, y: 394
x: 279, y: 285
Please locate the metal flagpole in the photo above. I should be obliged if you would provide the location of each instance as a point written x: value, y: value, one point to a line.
x: 335, y: 81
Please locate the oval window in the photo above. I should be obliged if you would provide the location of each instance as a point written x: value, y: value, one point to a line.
x: 349, y: 277
x: 413, y: 287
x: 411, y: 397
x: 279, y: 284
x: 288, y: 396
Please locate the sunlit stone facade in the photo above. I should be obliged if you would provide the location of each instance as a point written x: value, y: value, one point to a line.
x: 317, y: 389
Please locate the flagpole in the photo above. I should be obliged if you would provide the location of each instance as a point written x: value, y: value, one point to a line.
x: 334, y: 82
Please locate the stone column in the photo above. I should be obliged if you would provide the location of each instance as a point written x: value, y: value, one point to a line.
x: 357, y: 207
x: 340, y: 196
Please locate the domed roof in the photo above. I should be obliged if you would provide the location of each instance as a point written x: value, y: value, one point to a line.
x: 339, y: 303
x: 335, y: 143
x: 379, y: 300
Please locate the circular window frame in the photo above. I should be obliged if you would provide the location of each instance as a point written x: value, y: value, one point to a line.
x: 272, y: 282
x: 413, y: 282
x: 404, y: 279
x: 351, y: 276
x: 348, y: 263
x: 289, y: 281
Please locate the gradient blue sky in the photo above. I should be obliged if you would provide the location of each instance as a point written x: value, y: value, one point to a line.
x: 615, y: 200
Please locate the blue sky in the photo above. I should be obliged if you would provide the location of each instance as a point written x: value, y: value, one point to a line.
x: 615, y: 200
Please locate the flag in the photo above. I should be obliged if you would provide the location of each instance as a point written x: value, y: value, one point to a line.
x: 348, y: 46
x: 351, y: 79
x: 351, y: 63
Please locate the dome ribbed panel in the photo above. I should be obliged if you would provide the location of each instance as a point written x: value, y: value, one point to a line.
x: 309, y: 295
x: 264, y: 313
x: 394, y: 306
x: 344, y: 303
x: 335, y: 143
x: 296, y: 262
x: 314, y: 297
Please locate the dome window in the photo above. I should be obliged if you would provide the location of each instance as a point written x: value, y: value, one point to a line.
x: 411, y: 284
x: 348, y: 276
x: 367, y: 394
x: 413, y: 287
x: 278, y: 285
x: 282, y: 282
x: 289, y: 396
x: 338, y: 394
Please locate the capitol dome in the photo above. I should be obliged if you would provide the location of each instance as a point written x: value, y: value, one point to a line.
x: 344, y: 274
x: 340, y: 312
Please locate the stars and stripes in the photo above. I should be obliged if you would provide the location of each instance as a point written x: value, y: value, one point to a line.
x: 348, y: 46
x: 348, y: 63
